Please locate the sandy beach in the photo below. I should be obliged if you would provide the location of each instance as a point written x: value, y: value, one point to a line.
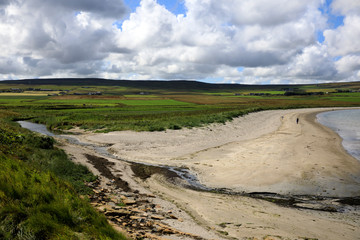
x: 261, y: 152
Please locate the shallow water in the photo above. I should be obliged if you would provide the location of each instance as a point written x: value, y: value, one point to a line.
x: 346, y: 123
x: 35, y: 127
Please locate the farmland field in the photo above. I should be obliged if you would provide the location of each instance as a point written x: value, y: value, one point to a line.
x: 163, y: 105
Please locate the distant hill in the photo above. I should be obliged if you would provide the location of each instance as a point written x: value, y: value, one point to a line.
x: 170, y: 85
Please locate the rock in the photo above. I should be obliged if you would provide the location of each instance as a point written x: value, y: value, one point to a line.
x: 127, y: 194
x: 168, y: 231
x: 135, y: 217
x: 105, y: 208
x: 149, y: 224
x: 136, y: 210
x: 157, y: 217
x: 116, y: 207
x: 129, y: 202
x: 143, y: 201
x: 118, y: 213
x: 173, y: 216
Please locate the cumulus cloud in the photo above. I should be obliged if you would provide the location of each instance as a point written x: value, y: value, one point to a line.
x: 270, y: 41
x: 343, y: 40
x: 345, y: 7
x: 313, y: 63
x: 64, y: 33
x: 249, y: 12
x: 217, y: 34
x: 348, y: 64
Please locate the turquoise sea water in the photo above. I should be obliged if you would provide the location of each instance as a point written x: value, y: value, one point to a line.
x: 346, y: 123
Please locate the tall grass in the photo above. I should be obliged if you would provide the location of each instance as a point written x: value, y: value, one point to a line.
x: 39, y: 189
x: 38, y: 205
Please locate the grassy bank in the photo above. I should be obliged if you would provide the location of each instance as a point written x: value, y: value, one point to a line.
x: 39, y: 191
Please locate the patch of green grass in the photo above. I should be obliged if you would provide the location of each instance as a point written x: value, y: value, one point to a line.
x: 39, y: 189
x: 140, y: 96
x: 37, y: 205
x: 160, y: 102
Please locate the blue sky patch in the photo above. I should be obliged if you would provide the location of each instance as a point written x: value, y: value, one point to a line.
x: 334, y: 20
x: 174, y: 6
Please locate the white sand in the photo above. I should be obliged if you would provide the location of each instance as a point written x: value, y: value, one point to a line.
x: 259, y: 152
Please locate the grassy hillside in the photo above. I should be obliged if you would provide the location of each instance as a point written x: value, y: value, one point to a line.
x: 39, y: 191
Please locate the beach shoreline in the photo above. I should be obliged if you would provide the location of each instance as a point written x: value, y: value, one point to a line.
x: 280, y: 156
x: 222, y: 216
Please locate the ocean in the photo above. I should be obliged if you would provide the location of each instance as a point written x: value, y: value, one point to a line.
x: 346, y: 123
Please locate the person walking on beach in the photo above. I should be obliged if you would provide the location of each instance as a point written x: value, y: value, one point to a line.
x: 297, y: 120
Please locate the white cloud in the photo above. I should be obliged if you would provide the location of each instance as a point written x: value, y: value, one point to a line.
x: 345, y: 7
x: 313, y: 63
x: 59, y: 36
x: 348, y: 64
x: 212, y: 36
x: 275, y: 41
x: 344, y: 39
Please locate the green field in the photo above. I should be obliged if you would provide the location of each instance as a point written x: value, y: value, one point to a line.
x: 156, y: 105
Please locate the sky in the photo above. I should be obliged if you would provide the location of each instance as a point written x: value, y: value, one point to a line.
x: 228, y: 41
